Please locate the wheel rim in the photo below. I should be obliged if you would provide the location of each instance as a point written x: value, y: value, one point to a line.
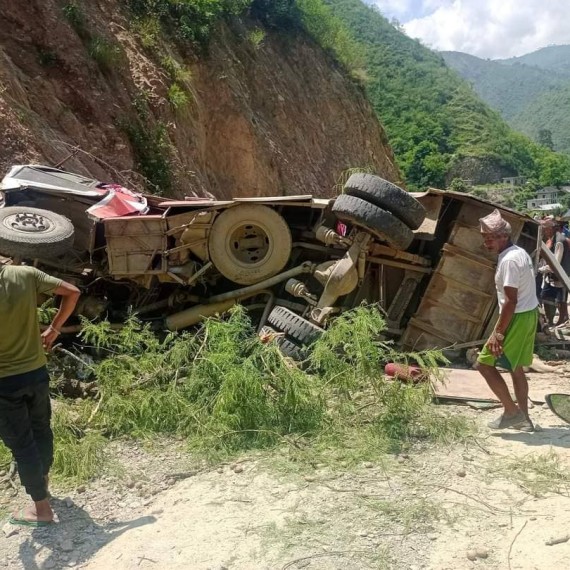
x: 249, y: 244
x: 28, y: 222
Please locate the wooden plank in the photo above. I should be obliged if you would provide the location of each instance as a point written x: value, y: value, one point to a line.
x: 399, y: 264
x: 554, y: 265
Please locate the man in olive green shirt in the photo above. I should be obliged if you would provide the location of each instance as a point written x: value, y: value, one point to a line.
x: 25, y: 410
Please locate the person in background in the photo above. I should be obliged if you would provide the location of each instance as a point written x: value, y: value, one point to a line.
x: 553, y: 294
x: 550, y: 290
x: 511, y: 343
x: 25, y: 409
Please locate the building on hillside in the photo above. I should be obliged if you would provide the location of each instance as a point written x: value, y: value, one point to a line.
x: 547, y: 198
x: 513, y: 181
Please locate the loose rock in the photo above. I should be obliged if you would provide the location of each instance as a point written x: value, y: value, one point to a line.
x: 482, y: 553
x: 67, y: 545
x: 461, y: 472
x: 238, y: 469
x: 10, y: 530
x: 472, y: 555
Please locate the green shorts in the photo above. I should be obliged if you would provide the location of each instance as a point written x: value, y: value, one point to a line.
x: 518, y: 346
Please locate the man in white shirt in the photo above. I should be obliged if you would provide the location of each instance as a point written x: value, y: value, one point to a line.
x: 511, y: 344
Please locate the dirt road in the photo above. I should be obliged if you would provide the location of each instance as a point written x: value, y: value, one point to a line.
x: 498, y: 499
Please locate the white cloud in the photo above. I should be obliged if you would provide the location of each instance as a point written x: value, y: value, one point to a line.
x: 489, y: 28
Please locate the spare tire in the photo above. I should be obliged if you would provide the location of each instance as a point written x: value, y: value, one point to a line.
x: 286, y: 347
x: 388, y: 196
x: 32, y: 233
x: 249, y: 243
x: 299, y: 330
x: 384, y: 225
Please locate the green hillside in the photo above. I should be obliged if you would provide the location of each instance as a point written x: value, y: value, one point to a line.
x: 506, y: 88
x: 433, y: 118
x: 530, y: 92
x: 551, y: 58
x: 548, y: 115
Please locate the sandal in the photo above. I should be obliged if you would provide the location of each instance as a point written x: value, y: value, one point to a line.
x: 504, y: 422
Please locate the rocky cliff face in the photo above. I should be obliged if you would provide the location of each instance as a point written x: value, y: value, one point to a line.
x: 478, y: 170
x: 249, y: 118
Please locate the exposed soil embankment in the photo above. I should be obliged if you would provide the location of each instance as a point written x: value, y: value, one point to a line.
x: 245, y: 119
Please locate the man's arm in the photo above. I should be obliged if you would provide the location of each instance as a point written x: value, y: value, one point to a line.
x: 70, y: 295
x: 507, y: 312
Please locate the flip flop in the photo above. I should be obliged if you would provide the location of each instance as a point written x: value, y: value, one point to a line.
x: 22, y: 521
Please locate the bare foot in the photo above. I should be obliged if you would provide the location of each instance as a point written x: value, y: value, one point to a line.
x: 38, y: 512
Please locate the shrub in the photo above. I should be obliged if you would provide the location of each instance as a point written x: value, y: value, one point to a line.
x: 177, y: 97
x: 104, y: 53
x: 151, y: 146
x: 187, y: 20
x: 256, y: 37
x: 76, y: 18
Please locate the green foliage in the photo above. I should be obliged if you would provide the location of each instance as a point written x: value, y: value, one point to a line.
x: 432, y: 117
x: 105, y: 54
x: 47, y: 311
x: 76, y: 18
x: 151, y: 146
x: 221, y: 385
x: 330, y: 32
x: 507, y: 88
x: 458, y: 185
x: 281, y: 14
x: 148, y: 30
x: 187, y: 20
x: 256, y: 37
x: 175, y: 70
x: 226, y: 390
x: 78, y: 453
x: 547, y: 113
x: 349, y: 357
x: 177, y: 97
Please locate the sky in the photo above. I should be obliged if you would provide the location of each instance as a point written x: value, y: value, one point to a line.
x: 494, y: 29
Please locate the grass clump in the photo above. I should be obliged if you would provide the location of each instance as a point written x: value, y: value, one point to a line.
x: 256, y: 37
x: 538, y: 475
x: 78, y: 452
x: 177, y: 97
x: 104, y: 53
x: 73, y: 13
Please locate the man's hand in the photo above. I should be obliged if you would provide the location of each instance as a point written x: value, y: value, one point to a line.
x: 495, y: 346
x: 48, y: 337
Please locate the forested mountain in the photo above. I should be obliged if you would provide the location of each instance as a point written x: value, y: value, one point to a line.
x: 532, y: 92
x: 551, y: 58
x: 506, y: 88
x: 437, y: 125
